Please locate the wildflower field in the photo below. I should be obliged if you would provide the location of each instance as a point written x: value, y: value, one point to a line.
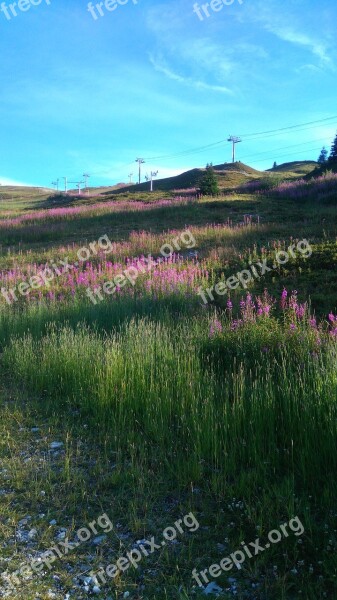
x: 164, y: 405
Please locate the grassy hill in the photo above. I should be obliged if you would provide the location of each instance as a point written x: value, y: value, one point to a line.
x: 16, y: 198
x: 295, y: 169
x: 149, y: 404
x: 229, y: 175
x: 321, y: 169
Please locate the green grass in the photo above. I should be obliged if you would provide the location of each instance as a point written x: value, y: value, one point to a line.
x: 295, y: 169
x: 262, y: 431
x: 159, y: 418
x: 227, y: 398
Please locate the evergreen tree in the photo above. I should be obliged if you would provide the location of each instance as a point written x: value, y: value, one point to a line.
x: 275, y: 165
x: 209, y: 183
x: 333, y: 153
x: 323, y: 157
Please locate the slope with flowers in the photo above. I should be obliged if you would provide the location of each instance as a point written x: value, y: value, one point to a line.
x: 164, y: 405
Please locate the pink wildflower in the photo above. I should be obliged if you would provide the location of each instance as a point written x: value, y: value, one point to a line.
x: 215, y: 327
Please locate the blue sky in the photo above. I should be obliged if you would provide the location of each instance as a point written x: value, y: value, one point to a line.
x: 151, y: 79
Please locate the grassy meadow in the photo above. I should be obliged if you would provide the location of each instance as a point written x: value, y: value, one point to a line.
x: 165, y: 405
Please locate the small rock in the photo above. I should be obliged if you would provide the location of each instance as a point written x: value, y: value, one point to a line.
x: 99, y: 540
x: 55, y: 445
x: 212, y: 588
x: 22, y: 536
x: 96, y: 589
x: 86, y: 580
x: 35, y: 429
x: 52, y: 522
x: 24, y: 521
x: 32, y: 534
x: 126, y: 595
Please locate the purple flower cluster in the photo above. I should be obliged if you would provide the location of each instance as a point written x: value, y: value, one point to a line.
x: 300, y: 189
x: 297, y: 316
x: 333, y: 321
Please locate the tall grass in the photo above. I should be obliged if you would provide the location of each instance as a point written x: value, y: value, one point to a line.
x: 240, y: 401
x: 193, y: 402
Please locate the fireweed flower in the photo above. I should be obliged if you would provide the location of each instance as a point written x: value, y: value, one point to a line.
x: 284, y: 298
x: 248, y: 308
x: 293, y: 300
x: 300, y: 311
x: 333, y: 323
x: 215, y: 327
x: 236, y: 324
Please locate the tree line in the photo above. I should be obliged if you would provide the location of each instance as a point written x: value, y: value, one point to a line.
x: 324, y: 157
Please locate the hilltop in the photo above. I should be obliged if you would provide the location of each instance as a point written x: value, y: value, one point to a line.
x: 230, y: 176
x: 14, y: 192
x: 295, y: 168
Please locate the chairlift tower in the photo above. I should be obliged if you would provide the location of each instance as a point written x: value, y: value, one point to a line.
x: 235, y: 140
x: 86, y: 176
x: 78, y: 185
x: 153, y: 174
x: 140, y: 162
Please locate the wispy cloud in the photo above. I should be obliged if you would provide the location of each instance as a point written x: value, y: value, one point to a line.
x: 193, y: 60
x: 288, y: 27
x: 201, y: 85
x: 288, y: 34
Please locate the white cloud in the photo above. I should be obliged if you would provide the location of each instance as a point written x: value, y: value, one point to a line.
x: 288, y: 34
x: 5, y: 181
x: 205, y: 63
x: 201, y: 85
x: 251, y: 49
x: 291, y: 28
